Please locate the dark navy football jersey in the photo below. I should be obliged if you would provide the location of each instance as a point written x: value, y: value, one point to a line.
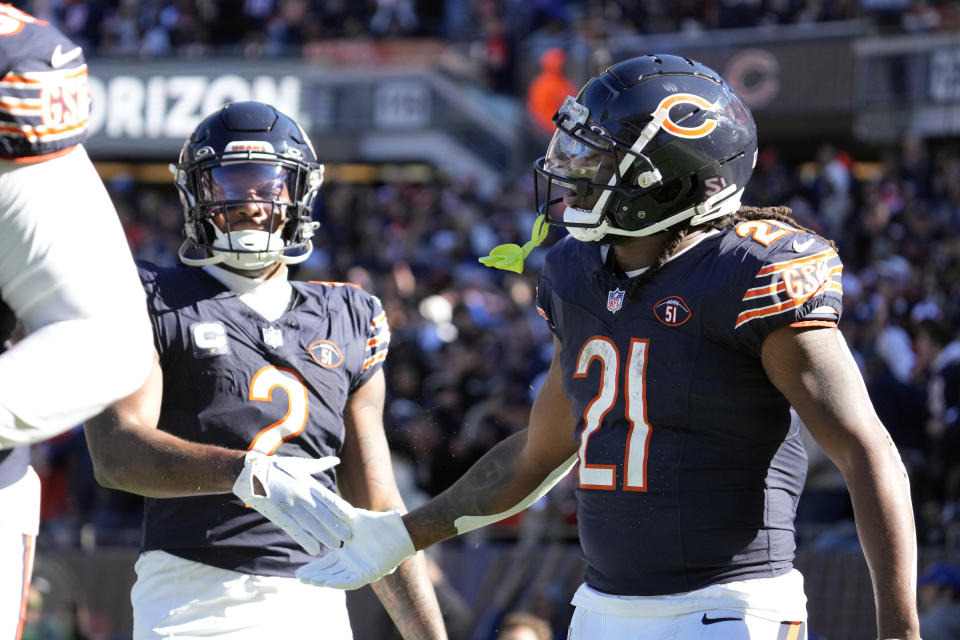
x: 234, y: 379
x: 689, y: 472
x: 43, y: 87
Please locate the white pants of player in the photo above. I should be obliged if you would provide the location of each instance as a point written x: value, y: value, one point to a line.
x: 20, y: 504
x: 763, y: 608
x: 177, y: 598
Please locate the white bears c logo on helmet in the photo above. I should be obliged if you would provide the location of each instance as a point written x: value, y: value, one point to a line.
x: 708, y: 125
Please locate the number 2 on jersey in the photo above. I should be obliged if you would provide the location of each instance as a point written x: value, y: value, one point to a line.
x: 638, y: 438
x: 261, y: 390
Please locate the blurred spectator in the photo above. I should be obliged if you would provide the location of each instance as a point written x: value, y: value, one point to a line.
x: 394, y: 17
x: 520, y: 625
x: 548, y: 90
x: 938, y: 601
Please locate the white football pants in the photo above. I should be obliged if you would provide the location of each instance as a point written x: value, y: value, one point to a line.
x: 20, y: 504
x: 177, y: 598
x: 761, y: 608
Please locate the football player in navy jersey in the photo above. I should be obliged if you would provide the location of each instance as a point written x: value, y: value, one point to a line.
x: 258, y: 384
x: 66, y: 276
x: 685, y: 327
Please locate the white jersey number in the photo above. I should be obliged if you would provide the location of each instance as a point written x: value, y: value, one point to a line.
x: 638, y: 439
x: 261, y: 390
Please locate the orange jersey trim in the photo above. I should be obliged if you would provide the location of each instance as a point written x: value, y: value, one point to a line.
x: 327, y: 283
x: 771, y: 310
x: 813, y: 323
x: 45, y: 76
x: 372, y: 360
x: 22, y: 104
x: 32, y: 133
x: 780, y: 266
x: 380, y: 338
x: 29, y: 543
x: 42, y: 158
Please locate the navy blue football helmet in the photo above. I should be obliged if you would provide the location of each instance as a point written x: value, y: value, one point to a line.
x: 649, y: 144
x: 248, y: 153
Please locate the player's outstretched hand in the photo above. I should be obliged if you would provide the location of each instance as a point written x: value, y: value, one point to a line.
x: 379, y: 543
x: 283, y: 489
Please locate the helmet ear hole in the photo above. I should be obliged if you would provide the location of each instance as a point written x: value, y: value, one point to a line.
x: 669, y: 192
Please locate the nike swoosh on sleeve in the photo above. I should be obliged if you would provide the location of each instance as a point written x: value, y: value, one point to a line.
x: 59, y: 58
x: 800, y: 247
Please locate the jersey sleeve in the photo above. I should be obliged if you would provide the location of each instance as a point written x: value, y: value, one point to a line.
x: 376, y: 337
x: 44, y: 94
x: 545, y: 305
x: 797, y: 284
x: 149, y: 277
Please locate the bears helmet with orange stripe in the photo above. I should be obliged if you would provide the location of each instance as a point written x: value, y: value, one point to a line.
x: 248, y: 153
x: 649, y: 144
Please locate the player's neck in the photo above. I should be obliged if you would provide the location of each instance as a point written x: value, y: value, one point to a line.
x: 634, y: 253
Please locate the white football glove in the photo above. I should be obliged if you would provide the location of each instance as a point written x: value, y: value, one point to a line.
x: 378, y: 544
x: 290, y: 497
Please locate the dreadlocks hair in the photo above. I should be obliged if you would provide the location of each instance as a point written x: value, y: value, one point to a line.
x: 743, y: 214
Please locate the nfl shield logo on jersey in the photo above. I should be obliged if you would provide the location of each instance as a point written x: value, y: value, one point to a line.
x: 615, y: 300
x: 272, y: 337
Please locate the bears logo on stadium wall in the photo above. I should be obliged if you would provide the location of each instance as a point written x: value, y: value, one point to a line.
x: 672, y: 311
x: 326, y: 354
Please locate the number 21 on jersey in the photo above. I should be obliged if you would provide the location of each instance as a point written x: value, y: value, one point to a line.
x: 604, y: 351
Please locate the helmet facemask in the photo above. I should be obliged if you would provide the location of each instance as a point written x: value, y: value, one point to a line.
x: 281, y: 187
x: 612, y: 184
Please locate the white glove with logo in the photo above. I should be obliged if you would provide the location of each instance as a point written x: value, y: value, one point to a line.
x: 378, y: 544
x: 287, y: 494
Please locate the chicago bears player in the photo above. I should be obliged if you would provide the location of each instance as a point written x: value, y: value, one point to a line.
x: 258, y: 382
x: 685, y: 327
x: 66, y: 275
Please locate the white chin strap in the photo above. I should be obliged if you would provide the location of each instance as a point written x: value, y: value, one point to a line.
x: 720, y: 204
x: 253, y: 250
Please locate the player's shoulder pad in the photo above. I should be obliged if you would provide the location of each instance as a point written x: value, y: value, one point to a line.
x: 329, y: 289
x: 563, y: 257
x: 177, y: 285
x: 354, y: 295
x: 774, y: 241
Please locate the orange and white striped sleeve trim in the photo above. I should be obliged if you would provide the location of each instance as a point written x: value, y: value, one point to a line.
x: 783, y: 287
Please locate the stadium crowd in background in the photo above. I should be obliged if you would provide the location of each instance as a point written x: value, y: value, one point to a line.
x: 491, y: 29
